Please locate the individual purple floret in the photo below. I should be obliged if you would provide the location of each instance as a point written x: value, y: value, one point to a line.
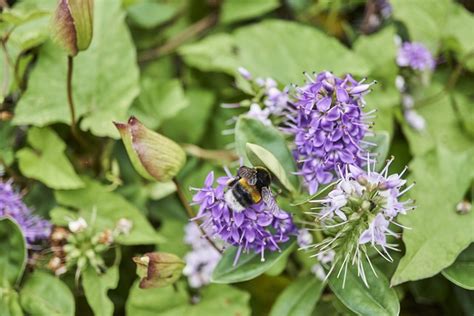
x: 34, y: 228
x: 257, y: 228
x: 416, y: 56
x: 328, y: 125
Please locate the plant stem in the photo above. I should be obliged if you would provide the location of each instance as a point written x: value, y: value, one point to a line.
x: 70, y: 69
x: 70, y: 101
x: 193, y: 30
x: 191, y: 214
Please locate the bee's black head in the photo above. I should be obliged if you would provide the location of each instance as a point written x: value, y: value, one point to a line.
x: 264, y: 179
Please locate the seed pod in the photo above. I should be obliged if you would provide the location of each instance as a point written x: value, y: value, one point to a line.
x: 158, y: 269
x: 153, y: 155
x: 73, y: 25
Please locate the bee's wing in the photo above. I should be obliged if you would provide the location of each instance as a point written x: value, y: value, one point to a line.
x: 269, y: 200
x: 249, y: 174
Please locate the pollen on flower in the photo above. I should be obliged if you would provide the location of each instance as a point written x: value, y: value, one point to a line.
x: 358, y: 213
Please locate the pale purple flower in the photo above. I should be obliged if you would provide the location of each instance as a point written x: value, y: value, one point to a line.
x: 328, y: 125
x: 202, y: 259
x: 257, y: 228
x: 262, y: 115
x: 276, y: 100
x: 244, y: 73
x: 415, y: 120
x: 358, y: 212
x: 33, y: 227
x: 304, y: 238
x: 416, y: 56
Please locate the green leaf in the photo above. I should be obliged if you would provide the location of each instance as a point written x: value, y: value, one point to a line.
x: 249, y: 265
x: 259, y: 156
x: 46, y: 160
x: 148, y: 15
x: 237, y: 10
x: 96, y: 288
x: 248, y: 130
x: 110, y: 208
x: 159, y: 101
x: 382, y: 141
x: 378, y: 299
x: 299, y: 298
x: 425, y: 20
x: 10, y: 303
x: 44, y: 295
x: 460, y: 21
x: 442, y: 177
x: 381, y: 62
x: 105, y: 80
x: 461, y: 272
x: 12, y: 252
x: 259, y: 48
x: 214, y: 300
x: 190, y: 123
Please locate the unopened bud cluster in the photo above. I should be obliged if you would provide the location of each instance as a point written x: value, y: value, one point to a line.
x: 81, y: 245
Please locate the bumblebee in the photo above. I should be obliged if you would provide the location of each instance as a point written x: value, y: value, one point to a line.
x: 249, y: 187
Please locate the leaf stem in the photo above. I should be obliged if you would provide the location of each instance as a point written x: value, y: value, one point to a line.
x: 190, y: 213
x: 70, y: 101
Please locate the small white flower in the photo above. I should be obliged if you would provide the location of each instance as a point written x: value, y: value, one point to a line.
x: 78, y: 225
x: 318, y: 271
x: 400, y: 83
x: 257, y: 113
x: 407, y: 101
x: 244, y: 73
x: 124, y: 226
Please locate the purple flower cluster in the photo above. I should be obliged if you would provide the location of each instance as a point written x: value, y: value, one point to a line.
x: 328, y: 125
x: 33, y: 227
x: 416, y: 56
x: 201, y: 260
x: 257, y: 228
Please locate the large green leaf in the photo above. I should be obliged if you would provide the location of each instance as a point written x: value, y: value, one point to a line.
x: 461, y: 272
x: 249, y: 265
x: 237, y: 10
x: 105, y: 78
x: 96, y: 288
x: 378, y: 299
x: 275, y: 48
x: 442, y: 178
x: 47, y: 162
x: 191, y: 122
x: 214, y: 300
x: 12, y: 252
x: 424, y: 20
x: 110, y: 208
x: 44, y: 295
x: 158, y: 101
x: 299, y: 298
x: 248, y: 130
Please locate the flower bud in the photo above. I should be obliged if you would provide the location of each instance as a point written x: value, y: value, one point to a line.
x: 158, y: 269
x: 73, y: 25
x: 78, y: 225
x: 153, y: 155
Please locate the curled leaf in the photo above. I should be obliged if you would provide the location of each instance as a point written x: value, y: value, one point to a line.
x: 153, y: 155
x: 158, y: 269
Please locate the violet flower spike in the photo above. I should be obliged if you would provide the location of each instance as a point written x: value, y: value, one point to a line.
x: 34, y: 228
x: 328, y: 126
x: 257, y: 228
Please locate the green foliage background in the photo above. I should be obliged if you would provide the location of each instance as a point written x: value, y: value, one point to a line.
x: 172, y: 64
